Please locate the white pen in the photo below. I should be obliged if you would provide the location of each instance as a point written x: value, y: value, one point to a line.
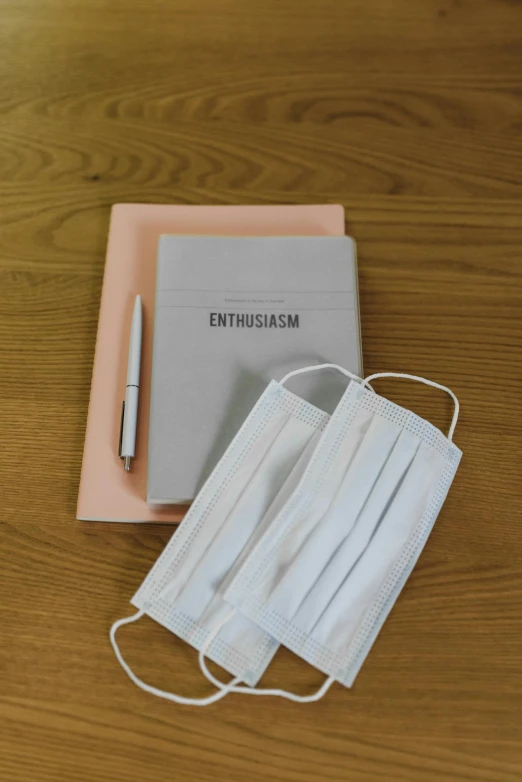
x: 129, y: 413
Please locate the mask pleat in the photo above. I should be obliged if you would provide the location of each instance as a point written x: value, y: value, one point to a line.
x: 240, y: 632
x: 237, y: 529
x: 343, y: 615
x: 349, y: 498
x: 345, y: 558
x: 289, y: 546
x: 279, y: 501
x: 237, y: 488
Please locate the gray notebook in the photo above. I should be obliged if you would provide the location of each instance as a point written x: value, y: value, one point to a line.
x: 232, y: 314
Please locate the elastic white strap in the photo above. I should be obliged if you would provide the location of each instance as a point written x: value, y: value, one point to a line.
x: 454, y: 420
x: 315, y: 368
x: 231, y: 687
x: 169, y: 696
x: 223, y: 689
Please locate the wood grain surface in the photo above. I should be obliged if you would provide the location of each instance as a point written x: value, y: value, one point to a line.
x: 410, y: 114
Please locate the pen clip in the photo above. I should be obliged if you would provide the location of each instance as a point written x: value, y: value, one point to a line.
x: 121, y: 428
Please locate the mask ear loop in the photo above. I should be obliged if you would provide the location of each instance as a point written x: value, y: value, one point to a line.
x: 315, y: 367
x: 169, y: 696
x: 223, y: 689
x: 454, y: 420
x: 231, y: 686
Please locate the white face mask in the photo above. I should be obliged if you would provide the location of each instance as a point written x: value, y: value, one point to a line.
x: 325, y: 575
x: 318, y: 563
x: 246, y: 490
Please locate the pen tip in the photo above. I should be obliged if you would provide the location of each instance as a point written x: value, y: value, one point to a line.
x: 127, y: 463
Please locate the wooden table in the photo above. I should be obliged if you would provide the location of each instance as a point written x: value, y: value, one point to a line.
x: 409, y: 114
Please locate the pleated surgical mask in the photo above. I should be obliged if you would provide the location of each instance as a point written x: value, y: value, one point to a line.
x: 304, y: 536
x: 247, y: 489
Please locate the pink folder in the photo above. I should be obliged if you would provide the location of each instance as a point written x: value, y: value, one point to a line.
x: 107, y: 493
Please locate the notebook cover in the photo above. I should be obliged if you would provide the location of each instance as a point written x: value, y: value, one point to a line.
x: 106, y: 492
x: 231, y: 314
